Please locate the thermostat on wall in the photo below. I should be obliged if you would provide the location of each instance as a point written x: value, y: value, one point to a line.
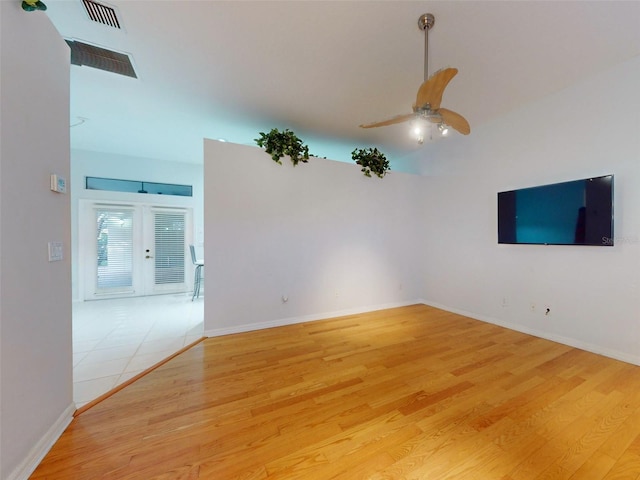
x: 58, y: 184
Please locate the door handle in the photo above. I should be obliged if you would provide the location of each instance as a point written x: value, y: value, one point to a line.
x: 148, y: 256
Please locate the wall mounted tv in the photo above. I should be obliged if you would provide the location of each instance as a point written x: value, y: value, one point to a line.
x: 579, y: 212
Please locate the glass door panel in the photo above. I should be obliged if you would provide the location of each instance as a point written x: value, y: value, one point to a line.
x: 114, y: 250
x: 135, y: 250
x: 169, y: 259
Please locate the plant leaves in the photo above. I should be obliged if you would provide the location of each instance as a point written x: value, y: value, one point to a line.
x: 278, y: 144
x: 371, y: 160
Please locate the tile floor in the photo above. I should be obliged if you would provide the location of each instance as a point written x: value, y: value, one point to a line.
x: 114, y: 340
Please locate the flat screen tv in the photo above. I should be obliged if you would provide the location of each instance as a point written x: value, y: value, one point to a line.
x: 579, y: 212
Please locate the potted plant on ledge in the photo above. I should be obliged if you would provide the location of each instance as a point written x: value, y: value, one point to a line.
x: 371, y: 160
x: 278, y: 144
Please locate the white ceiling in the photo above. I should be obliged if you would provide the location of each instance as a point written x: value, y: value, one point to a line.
x: 230, y: 69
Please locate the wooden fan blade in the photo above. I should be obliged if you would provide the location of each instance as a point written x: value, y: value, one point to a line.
x: 391, y: 121
x: 455, y: 121
x: 430, y: 92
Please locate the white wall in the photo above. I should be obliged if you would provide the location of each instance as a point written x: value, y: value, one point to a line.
x: 593, y: 292
x: 96, y: 164
x: 308, y: 233
x: 322, y: 234
x: 35, y: 295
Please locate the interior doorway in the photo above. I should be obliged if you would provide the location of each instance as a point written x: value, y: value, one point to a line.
x: 135, y: 278
x: 130, y: 311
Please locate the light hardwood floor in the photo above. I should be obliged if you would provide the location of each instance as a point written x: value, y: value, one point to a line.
x: 407, y: 393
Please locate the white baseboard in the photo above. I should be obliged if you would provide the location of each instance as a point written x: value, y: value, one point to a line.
x: 571, y: 342
x: 40, y: 449
x: 218, y: 332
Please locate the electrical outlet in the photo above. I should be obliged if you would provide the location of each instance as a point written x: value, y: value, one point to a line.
x: 505, y: 302
x: 532, y: 308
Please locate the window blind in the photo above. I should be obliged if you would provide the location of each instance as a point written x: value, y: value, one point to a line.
x: 169, y: 247
x: 114, y: 228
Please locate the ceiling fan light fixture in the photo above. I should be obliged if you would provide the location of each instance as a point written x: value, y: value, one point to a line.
x: 427, y: 104
x: 419, y: 128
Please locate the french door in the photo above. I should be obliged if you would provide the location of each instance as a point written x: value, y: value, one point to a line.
x: 135, y: 250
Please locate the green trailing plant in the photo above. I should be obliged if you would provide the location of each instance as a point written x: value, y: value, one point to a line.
x: 371, y: 160
x: 278, y: 144
x: 32, y: 5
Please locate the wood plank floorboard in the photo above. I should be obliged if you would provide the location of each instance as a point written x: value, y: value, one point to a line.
x: 408, y: 393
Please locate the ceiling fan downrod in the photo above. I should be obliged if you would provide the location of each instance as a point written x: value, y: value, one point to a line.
x: 425, y: 22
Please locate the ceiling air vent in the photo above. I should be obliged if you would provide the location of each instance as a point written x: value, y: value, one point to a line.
x: 101, y: 13
x: 101, y: 58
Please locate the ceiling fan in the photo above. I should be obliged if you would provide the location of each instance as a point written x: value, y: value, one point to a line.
x: 427, y: 105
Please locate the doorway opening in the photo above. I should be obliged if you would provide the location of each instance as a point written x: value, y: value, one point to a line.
x: 135, y: 280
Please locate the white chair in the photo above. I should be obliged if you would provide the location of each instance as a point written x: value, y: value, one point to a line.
x: 197, y: 277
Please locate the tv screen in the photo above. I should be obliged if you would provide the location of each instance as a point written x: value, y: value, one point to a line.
x: 579, y: 212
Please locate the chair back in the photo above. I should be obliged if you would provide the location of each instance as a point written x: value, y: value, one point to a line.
x: 193, y: 254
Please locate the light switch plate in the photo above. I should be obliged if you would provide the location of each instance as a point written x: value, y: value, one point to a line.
x: 55, y: 251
